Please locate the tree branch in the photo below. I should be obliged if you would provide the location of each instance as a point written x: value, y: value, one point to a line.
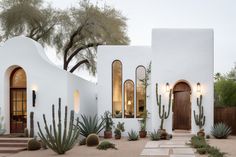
x: 79, y: 64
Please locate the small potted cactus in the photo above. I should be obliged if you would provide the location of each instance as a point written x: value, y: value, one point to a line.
x: 143, y: 124
x: 119, y: 128
x: 108, y: 123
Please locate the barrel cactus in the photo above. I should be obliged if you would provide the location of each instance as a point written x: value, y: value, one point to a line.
x: 92, y: 140
x: 33, y: 144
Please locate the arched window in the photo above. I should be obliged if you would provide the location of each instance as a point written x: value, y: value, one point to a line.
x: 117, y: 89
x: 76, y: 101
x: 18, y: 101
x: 140, y: 90
x: 129, y: 98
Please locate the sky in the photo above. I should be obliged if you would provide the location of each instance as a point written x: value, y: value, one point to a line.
x: 143, y: 15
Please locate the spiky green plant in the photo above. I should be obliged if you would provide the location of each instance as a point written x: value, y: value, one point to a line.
x: 61, y: 138
x: 133, y: 135
x: 108, y: 123
x: 199, y: 118
x: 155, y: 136
x: 2, y: 128
x: 161, y: 108
x: 221, y: 131
x: 104, y: 145
x: 90, y: 125
x: 120, y: 126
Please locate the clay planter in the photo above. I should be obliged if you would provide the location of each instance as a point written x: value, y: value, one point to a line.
x: 201, y: 133
x: 117, y: 137
x: 142, y: 134
x: 163, y: 134
x: 107, y: 134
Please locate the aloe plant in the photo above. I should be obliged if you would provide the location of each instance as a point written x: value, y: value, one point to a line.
x: 133, y: 136
x: 155, y: 135
x: 60, y: 138
x: 90, y: 125
x: 221, y: 131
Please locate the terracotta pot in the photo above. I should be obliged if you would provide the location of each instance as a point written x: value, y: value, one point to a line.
x: 201, y: 133
x: 117, y: 137
x: 107, y: 134
x: 163, y: 134
x: 142, y: 134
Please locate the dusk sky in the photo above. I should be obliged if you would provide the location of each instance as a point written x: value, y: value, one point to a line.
x: 143, y: 15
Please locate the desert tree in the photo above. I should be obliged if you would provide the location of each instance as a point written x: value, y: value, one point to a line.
x: 28, y: 18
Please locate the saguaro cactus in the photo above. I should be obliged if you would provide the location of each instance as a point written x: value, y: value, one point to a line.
x: 31, y: 124
x: 163, y: 114
x: 60, y: 139
x: 199, y: 118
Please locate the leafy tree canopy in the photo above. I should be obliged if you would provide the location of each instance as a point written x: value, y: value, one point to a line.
x: 75, y: 33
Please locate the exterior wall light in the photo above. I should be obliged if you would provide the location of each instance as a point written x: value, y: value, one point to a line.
x: 34, y: 97
x: 198, y: 87
x: 167, y: 87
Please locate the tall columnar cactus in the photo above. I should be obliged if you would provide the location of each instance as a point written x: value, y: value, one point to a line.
x: 199, y: 118
x: 31, y: 124
x: 162, y: 112
x: 61, y: 138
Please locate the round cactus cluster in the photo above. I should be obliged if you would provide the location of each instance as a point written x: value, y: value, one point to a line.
x: 33, y: 144
x: 92, y: 140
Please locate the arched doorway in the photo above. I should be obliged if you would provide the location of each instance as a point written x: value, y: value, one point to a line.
x: 18, y: 101
x: 182, y: 106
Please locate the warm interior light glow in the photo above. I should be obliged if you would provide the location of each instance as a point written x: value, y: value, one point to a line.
x: 129, y: 102
x: 76, y: 101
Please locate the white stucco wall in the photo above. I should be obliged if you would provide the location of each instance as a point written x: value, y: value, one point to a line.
x: 49, y: 81
x: 183, y: 54
x: 131, y: 57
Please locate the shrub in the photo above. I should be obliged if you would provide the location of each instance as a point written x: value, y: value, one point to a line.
x: 90, y: 125
x: 198, y: 142
x: 133, y: 136
x: 202, y: 150
x: 108, y: 123
x: 215, y: 152
x: 221, y: 131
x: 92, y: 140
x: 33, y: 144
x: 155, y: 136
x: 106, y: 145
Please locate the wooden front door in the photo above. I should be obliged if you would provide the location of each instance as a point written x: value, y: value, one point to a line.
x: 182, y: 107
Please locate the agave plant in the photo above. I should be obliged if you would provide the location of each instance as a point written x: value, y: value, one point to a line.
x: 155, y: 135
x: 221, y: 131
x: 133, y: 136
x: 90, y: 125
x: 2, y: 128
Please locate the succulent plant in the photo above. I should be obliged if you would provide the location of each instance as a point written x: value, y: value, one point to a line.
x: 90, y: 125
x: 2, y: 128
x: 106, y: 145
x: 33, y: 144
x: 155, y: 136
x: 117, y: 132
x: 221, y: 131
x: 133, y: 136
x: 121, y: 126
x: 92, y: 140
x: 108, y: 123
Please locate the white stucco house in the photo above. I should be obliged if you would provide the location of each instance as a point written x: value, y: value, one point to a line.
x: 181, y: 60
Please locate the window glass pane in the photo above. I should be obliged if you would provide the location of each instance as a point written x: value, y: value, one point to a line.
x: 76, y: 101
x: 117, y: 89
x: 18, y: 79
x: 129, y: 99
x: 140, y: 91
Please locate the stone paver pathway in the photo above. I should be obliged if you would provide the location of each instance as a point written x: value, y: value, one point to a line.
x: 175, y: 147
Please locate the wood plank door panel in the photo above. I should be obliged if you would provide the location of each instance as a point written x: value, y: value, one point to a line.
x: 182, y: 110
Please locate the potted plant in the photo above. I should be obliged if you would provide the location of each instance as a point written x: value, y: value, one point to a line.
x: 143, y: 124
x: 119, y: 128
x: 200, y: 118
x: 108, y: 123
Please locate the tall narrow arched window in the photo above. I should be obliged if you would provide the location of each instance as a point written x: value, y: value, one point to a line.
x: 140, y: 90
x: 129, y: 98
x: 76, y: 101
x: 117, y: 89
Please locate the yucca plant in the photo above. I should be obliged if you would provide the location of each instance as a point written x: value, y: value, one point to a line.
x: 221, y: 131
x: 90, y: 125
x: 133, y: 136
x: 155, y: 135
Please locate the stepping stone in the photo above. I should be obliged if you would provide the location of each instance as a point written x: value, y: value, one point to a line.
x: 174, y: 142
x: 152, y: 144
x: 183, y: 151
x: 161, y: 152
x: 182, y: 156
x: 173, y: 146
